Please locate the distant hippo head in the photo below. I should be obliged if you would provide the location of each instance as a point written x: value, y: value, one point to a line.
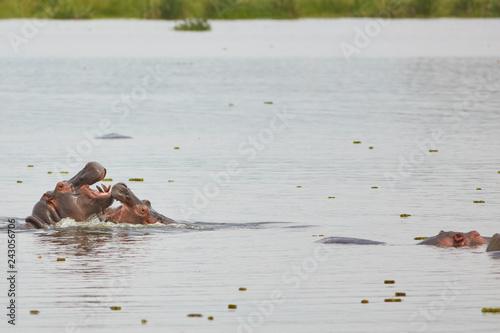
x: 454, y: 238
x: 133, y: 210
x: 73, y: 198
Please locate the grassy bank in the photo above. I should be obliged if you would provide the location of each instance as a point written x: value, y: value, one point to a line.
x: 246, y: 9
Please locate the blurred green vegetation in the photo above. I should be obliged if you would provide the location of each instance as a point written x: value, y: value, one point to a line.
x: 246, y: 9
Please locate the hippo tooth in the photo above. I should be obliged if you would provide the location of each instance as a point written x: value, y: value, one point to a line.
x: 100, y: 189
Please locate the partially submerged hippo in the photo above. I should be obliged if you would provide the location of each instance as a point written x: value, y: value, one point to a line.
x: 133, y: 210
x: 73, y: 198
x: 494, y: 244
x: 348, y: 240
x: 453, y: 238
x: 444, y: 238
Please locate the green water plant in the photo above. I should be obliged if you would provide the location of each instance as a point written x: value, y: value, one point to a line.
x: 193, y: 24
x: 492, y: 310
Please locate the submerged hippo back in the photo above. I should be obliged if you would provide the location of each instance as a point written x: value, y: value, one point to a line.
x: 348, y: 240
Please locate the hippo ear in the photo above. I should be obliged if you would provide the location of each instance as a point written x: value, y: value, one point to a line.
x: 147, y: 203
x: 458, y: 238
x: 441, y: 231
x: 48, y: 197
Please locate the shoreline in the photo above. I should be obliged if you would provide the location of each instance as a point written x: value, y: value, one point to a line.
x: 245, y: 9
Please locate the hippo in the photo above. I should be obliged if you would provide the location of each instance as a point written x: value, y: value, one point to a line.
x: 73, y: 198
x: 112, y: 136
x: 494, y: 244
x: 444, y: 238
x: 452, y: 238
x: 133, y: 210
x: 348, y: 240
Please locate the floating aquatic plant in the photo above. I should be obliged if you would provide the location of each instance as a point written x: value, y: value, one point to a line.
x: 115, y: 308
x: 392, y: 300
x: 399, y: 294
x: 193, y: 24
x: 405, y: 215
x: 389, y: 281
x: 364, y: 301
x: 420, y: 238
x: 192, y: 315
x: 242, y: 289
x: 232, y: 306
x: 136, y: 179
x: 492, y: 310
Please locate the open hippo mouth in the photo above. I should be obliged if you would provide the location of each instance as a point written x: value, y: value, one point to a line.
x: 93, y: 194
x: 92, y: 173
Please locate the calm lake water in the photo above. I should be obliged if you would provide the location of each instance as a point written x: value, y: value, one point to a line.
x: 253, y: 184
